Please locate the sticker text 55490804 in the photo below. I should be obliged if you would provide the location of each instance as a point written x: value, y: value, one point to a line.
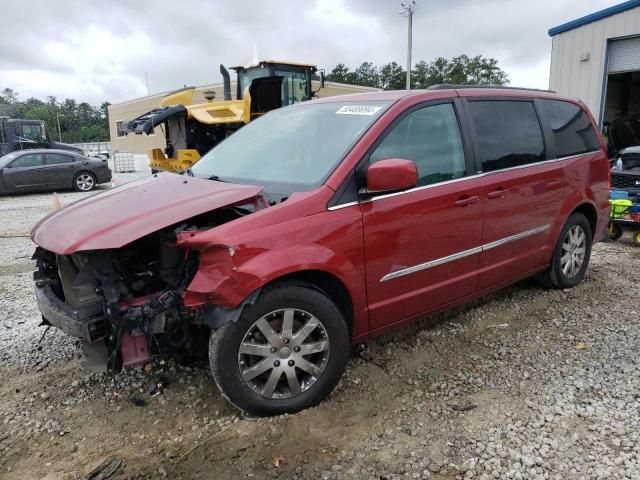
x: 358, y: 110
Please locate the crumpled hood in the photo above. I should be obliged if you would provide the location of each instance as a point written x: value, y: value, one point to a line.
x: 117, y: 217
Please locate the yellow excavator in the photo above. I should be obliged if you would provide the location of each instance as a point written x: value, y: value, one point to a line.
x: 192, y: 129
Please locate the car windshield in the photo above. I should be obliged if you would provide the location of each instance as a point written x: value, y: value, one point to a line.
x: 295, y: 148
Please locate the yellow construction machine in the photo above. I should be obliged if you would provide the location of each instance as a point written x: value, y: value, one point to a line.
x: 192, y: 129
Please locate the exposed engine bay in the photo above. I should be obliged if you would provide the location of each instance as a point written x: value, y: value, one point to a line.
x: 126, y: 304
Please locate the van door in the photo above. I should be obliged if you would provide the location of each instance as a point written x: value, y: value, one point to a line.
x: 521, y: 189
x: 422, y: 245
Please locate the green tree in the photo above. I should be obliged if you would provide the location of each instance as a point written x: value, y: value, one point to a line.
x: 9, y: 95
x: 79, y: 122
x: 460, y: 70
x: 339, y: 74
x: 392, y: 77
x: 367, y: 75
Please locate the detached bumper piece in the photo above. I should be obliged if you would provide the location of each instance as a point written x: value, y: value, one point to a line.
x: 87, y: 323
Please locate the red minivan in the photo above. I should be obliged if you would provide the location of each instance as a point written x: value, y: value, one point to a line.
x: 323, y: 223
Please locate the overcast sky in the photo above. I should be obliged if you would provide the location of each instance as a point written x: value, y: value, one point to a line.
x: 100, y: 50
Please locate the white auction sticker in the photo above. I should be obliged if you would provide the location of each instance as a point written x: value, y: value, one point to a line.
x: 358, y: 110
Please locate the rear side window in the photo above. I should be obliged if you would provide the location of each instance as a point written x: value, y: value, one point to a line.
x: 57, y: 158
x: 572, y: 130
x: 508, y: 133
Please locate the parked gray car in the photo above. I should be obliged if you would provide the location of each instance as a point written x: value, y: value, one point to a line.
x: 47, y: 169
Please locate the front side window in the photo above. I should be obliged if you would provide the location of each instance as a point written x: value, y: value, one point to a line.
x: 58, y: 158
x: 508, y: 133
x: 572, y: 130
x: 29, y: 160
x: 295, y: 147
x: 430, y: 137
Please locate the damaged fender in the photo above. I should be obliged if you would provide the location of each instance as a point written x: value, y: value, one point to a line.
x: 227, y: 276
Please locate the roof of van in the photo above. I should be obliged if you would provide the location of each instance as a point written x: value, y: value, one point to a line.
x: 452, y: 90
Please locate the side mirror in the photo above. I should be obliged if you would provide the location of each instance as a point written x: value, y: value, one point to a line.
x: 390, y: 175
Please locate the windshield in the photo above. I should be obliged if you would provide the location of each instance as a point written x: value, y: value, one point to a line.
x: 295, y: 146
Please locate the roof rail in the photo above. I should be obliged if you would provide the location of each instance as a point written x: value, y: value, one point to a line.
x: 453, y: 86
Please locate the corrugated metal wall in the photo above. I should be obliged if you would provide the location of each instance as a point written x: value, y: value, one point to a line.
x: 584, y: 78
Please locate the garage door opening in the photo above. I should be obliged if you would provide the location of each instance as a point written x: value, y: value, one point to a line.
x: 623, y: 95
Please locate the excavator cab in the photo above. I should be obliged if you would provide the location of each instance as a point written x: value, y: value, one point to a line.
x: 192, y: 129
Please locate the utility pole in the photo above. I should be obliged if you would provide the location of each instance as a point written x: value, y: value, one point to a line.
x: 407, y: 11
x: 59, y: 131
x: 146, y: 76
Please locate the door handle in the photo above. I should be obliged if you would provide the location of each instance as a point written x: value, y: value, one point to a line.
x: 497, y: 193
x: 466, y: 200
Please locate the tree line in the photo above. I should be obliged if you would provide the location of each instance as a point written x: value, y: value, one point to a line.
x: 79, y: 122
x: 460, y: 70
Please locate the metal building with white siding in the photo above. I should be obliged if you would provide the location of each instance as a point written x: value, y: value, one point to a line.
x: 597, y: 59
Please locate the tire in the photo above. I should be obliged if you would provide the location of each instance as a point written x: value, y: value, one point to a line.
x: 233, y: 370
x: 555, y: 276
x: 615, y: 231
x: 636, y: 238
x: 84, y: 181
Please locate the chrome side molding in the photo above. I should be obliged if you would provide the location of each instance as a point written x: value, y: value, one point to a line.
x: 464, y: 253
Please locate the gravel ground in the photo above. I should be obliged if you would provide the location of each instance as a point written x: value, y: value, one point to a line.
x: 526, y: 383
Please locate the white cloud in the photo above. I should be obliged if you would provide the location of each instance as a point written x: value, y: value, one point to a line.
x: 97, y: 51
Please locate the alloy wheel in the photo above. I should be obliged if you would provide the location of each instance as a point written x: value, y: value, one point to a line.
x: 283, y: 353
x: 574, y: 249
x: 85, y: 182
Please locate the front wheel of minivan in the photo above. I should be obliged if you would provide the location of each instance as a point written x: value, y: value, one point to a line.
x: 285, y: 353
x: 571, y: 254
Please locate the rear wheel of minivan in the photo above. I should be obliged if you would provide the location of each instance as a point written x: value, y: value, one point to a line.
x: 286, y: 352
x: 571, y: 255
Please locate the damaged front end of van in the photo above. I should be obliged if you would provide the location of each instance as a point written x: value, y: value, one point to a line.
x: 118, y: 272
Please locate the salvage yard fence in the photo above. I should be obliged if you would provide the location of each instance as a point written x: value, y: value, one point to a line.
x: 93, y: 149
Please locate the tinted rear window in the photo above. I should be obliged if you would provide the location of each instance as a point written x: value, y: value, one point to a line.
x: 572, y: 129
x: 508, y: 133
x: 56, y: 158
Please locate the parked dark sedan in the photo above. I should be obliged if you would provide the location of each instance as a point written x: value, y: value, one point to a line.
x: 46, y: 169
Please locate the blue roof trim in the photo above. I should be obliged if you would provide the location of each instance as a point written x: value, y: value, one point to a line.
x: 607, y: 12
